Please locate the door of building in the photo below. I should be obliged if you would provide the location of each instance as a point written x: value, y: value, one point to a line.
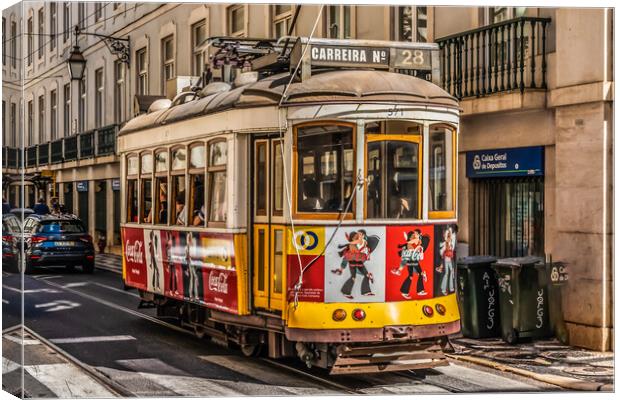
x: 268, y: 230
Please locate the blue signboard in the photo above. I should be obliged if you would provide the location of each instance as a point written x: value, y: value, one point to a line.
x: 521, y: 161
x: 116, y: 184
x: 82, y: 186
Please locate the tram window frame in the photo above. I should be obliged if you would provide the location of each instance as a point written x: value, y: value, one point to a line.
x: 260, y: 199
x: 197, y: 171
x: 449, y: 212
x: 391, y: 134
x: 320, y: 215
x: 277, y: 193
x: 174, y: 174
x: 212, y: 171
x: 146, y: 176
x: 132, y: 188
x: 161, y: 175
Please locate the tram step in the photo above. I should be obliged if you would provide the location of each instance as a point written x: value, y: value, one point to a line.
x: 384, y: 358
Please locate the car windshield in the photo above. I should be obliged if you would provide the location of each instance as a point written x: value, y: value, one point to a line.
x: 60, y: 227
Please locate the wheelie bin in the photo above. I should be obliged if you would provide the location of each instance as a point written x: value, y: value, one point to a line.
x: 523, y: 299
x: 555, y: 275
x: 477, y: 294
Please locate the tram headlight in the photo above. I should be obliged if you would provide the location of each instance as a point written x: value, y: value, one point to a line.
x: 358, y: 314
x: 427, y: 310
x: 339, y: 315
x: 440, y: 308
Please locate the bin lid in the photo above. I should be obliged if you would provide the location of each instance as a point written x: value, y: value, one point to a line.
x: 519, y: 261
x: 476, y: 261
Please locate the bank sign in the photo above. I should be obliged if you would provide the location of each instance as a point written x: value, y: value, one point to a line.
x: 522, y: 161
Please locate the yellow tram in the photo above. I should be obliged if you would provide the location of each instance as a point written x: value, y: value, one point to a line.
x: 302, y: 205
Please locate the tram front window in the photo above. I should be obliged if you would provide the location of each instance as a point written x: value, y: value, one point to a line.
x: 393, y: 179
x: 325, y: 167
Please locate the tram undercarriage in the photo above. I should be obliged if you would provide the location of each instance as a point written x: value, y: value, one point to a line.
x: 397, y: 348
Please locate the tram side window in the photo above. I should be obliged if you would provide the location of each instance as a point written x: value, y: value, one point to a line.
x: 132, y: 200
x: 179, y: 162
x: 146, y: 169
x: 161, y: 188
x: 217, y: 181
x: 197, y: 185
x: 325, y: 167
x: 441, y: 172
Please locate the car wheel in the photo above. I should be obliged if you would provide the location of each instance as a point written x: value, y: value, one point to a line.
x: 88, y: 268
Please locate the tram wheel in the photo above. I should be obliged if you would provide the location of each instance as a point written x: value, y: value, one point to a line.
x: 200, y: 331
x: 251, y: 350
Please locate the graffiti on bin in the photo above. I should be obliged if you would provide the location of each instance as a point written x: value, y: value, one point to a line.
x: 504, y: 284
x: 559, y: 273
x: 540, y: 312
x: 491, y: 300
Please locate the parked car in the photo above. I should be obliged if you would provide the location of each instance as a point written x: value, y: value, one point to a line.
x: 11, y: 235
x: 19, y: 212
x: 57, y: 240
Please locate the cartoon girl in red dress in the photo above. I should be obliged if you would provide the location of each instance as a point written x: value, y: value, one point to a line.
x: 354, y: 254
x: 411, y: 253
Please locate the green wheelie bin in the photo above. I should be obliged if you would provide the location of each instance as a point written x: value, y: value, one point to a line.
x: 477, y: 294
x: 523, y: 299
x: 555, y: 275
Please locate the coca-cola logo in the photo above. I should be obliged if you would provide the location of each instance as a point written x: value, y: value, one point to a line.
x: 218, y: 282
x: 133, y: 252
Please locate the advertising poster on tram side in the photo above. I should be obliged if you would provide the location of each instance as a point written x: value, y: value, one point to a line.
x: 409, y: 262
x: 134, y: 258
x: 306, y: 246
x: 445, y: 259
x: 354, y: 260
x: 153, y: 248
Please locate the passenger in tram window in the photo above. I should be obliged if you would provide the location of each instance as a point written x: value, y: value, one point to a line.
x: 312, y: 200
x: 399, y: 201
x: 163, y: 204
x: 180, y: 208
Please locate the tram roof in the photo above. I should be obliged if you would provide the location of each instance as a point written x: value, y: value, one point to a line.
x: 329, y: 87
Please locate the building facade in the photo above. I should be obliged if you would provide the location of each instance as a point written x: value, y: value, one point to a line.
x: 534, y: 78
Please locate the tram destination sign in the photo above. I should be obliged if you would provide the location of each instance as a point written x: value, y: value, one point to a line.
x: 331, y: 55
x: 521, y: 161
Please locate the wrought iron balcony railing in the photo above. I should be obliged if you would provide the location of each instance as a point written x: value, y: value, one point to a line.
x: 31, y: 156
x: 87, y: 144
x: 106, y: 140
x: 506, y: 56
x: 44, y: 154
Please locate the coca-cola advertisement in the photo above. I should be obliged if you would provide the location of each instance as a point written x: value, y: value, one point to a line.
x: 134, y: 257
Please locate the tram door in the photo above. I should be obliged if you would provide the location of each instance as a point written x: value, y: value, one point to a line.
x: 269, y: 256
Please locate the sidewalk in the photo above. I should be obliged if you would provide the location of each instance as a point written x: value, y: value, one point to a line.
x: 547, y: 360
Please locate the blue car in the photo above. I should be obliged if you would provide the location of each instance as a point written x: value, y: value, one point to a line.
x: 57, y: 240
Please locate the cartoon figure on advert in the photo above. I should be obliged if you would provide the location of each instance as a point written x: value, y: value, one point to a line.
x: 153, y: 248
x: 190, y: 250
x: 355, y: 254
x: 411, y: 253
x: 446, y: 251
x: 172, y: 269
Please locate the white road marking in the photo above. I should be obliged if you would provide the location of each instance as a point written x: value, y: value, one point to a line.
x: 267, y: 374
x: 67, y: 381
x: 30, y: 291
x: 20, y: 341
x: 75, y: 284
x: 8, y: 365
x: 90, y: 339
x: 483, y: 379
x: 48, y: 277
x: 5, y: 301
x: 58, y: 305
x: 117, y: 289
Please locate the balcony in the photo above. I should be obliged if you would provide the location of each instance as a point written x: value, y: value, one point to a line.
x: 44, y: 153
x: 87, y: 144
x: 106, y: 140
x: 31, y: 156
x: 505, y: 57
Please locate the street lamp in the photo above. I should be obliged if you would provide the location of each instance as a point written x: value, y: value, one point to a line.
x: 76, y: 61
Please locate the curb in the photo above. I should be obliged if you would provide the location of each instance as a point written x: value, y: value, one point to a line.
x: 561, y: 381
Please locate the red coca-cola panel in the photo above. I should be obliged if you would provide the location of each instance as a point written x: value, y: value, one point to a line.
x: 409, y: 262
x: 313, y: 288
x: 134, y: 257
x: 220, y: 289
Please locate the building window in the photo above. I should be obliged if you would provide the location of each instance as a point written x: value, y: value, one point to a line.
x: 41, y: 34
x: 119, y: 80
x: 30, y: 29
x: 13, y: 138
x: 67, y: 109
x: 4, y: 40
x: 167, y: 55
x: 82, y: 104
x: 141, y: 72
x: 53, y: 114
x: 339, y: 22
x: 99, y: 95
x: 30, y: 123
x: 41, y: 119
x: 98, y: 11
x: 411, y: 24
x: 236, y: 20
x: 507, y: 216
x: 66, y: 21
x: 52, y: 26
x: 324, y: 168
x: 282, y: 15
x: 199, y: 34
x: 14, y: 44
x: 81, y: 14
x: 216, y: 172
